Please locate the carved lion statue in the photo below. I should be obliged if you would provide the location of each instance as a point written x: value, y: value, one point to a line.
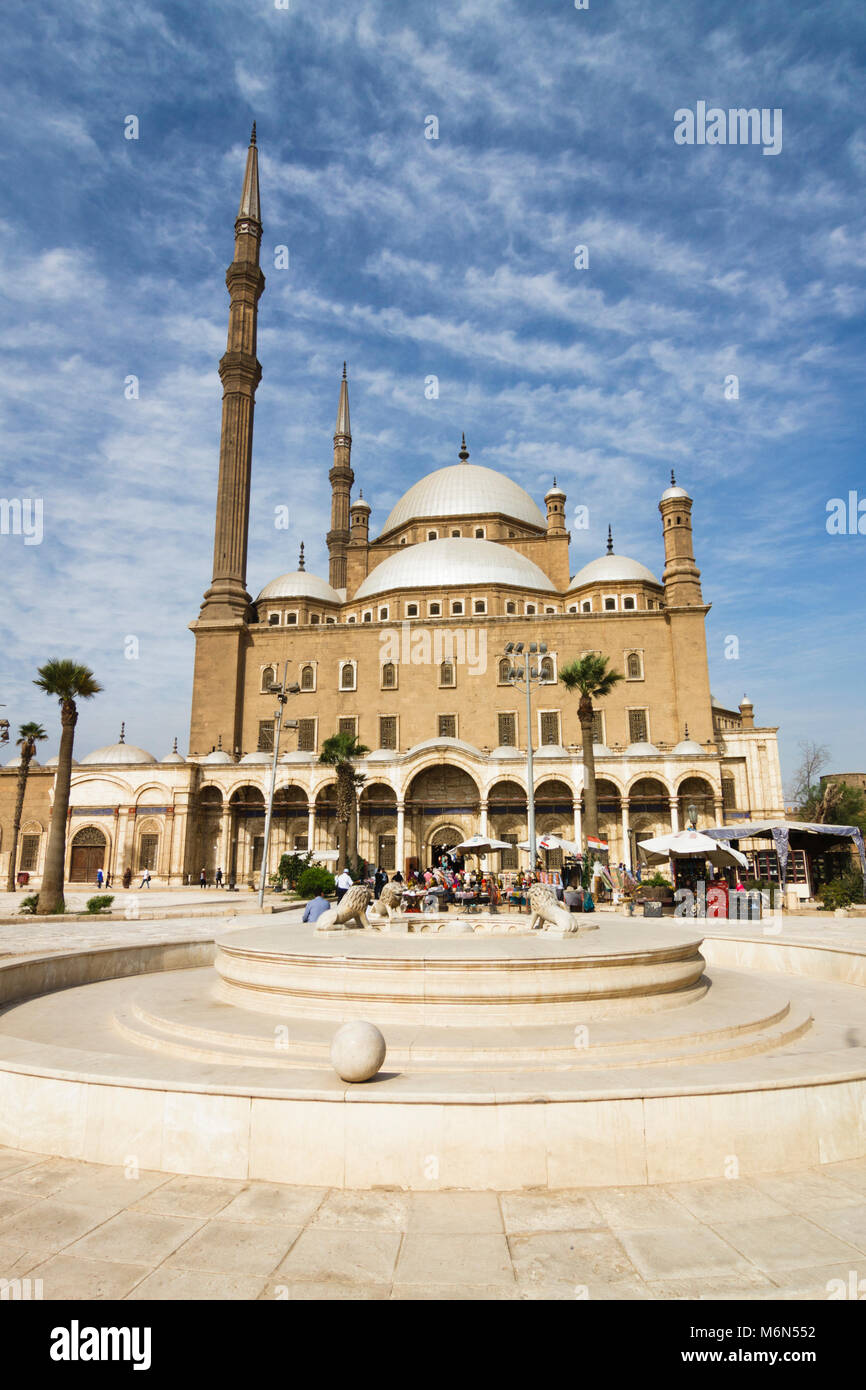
x: 348, y: 910
x: 547, y: 911
x: 388, y: 900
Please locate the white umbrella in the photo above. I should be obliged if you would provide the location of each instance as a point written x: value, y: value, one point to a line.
x: 552, y: 842
x: 685, y: 844
x: 329, y: 854
x: 483, y: 844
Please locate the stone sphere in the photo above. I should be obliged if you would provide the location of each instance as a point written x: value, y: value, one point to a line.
x: 357, y: 1051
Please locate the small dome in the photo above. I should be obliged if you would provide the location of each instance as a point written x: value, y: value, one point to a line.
x: 218, y: 756
x: 53, y: 762
x: 118, y: 754
x: 465, y: 489
x: 601, y: 750
x: 382, y: 755
x: 174, y: 757
x: 671, y: 492
x: 506, y: 750
x: 16, y: 762
x: 641, y: 750
x: 688, y: 747
x: 299, y: 584
x: 258, y: 757
x: 455, y: 562
x: 297, y: 757
x: 612, y: 569
x: 554, y: 492
x: 551, y: 750
x: 362, y: 505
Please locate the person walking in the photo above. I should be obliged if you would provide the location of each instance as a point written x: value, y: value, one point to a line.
x: 344, y: 883
x: 219, y: 878
x: 381, y: 878
x: 108, y: 878
x: 99, y: 878
x: 145, y: 879
x: 127, y: 877
x: 202, y: 879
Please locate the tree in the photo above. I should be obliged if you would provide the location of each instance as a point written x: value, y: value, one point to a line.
x: 592, y: 677
x: 813, y: 758
x: 28, y: 736
x: 69, y: 682
x: 340, y: 751
x: 834, y: 803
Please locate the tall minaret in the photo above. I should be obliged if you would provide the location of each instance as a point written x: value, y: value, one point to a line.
x: 240, y: 374
x: 341, y: 478
x: 222, y: 633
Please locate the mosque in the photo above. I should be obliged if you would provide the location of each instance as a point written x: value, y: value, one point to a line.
x: 404, y: 646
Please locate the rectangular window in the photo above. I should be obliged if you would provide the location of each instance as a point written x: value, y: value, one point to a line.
x: 729, y: 794
x: 509, y: 856
x: 348, y: 725
x: 550, y: 726
x: 387, y: 731
x: 508, y: 730
x: 29, y: 853
x: 266, y: 736
x: 258, y: 852
x: 637, y: 726
x: 300, y: 844
x: 387, y: 852
x: 147, y: 852
x: 597, y: 726
x: 306, y: 735
x: 448, y: 726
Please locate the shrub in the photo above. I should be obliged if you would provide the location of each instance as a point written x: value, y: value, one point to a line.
x: 315, y: 880
x: 841, y: 892
x: 28, y: 905
x: 291, y: 867
x: 98, y: 903
x: 656, y: 880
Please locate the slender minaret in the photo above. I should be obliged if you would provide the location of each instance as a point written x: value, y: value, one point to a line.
x: 341, y: 478
x: 240, y: 374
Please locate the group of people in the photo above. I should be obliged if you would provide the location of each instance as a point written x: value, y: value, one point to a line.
x: 436, y: 888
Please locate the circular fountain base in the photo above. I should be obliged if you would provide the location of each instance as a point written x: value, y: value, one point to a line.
x: 515, y: 1060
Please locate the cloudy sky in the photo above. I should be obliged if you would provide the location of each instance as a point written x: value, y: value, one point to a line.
x: 453, y: 257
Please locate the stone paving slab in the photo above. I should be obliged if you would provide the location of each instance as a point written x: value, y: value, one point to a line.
x: 93, y: 1232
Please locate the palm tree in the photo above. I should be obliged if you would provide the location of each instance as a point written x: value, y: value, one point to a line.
x: 69, y: 682
x: 28, y: 736
x: 339, y: 751
x: 591, y: 676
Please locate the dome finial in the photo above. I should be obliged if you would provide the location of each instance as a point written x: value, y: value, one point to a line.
x: 673, y: 479
x: 122, y: 738
x: 174, y: 746
x: 464, y: 452
x: 344, y: 371
x: 554, y: 480
x: 301, y: 558
x: 220, y: 744
x: 253, y: 134
x: 609, y: 541
x: 687, y: 730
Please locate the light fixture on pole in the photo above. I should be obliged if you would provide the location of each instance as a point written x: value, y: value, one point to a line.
x: 282, y: 693
x: 526, y: 675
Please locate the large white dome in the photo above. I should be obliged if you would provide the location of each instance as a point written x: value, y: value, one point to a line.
x: 454, y: 562
x: 465, y: 489
x: 300, y: 584
x: 612, y: 569
x: 119, y: 754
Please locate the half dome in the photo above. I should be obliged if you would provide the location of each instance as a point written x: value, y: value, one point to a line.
x: 118, y: 754
x: 689, y: 747
x: 613, y: 569
x: 454, y: 562
x: 300, y: 584
x: 465, y: 489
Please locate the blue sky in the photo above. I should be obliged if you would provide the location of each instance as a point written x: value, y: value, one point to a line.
x: 454, y: 257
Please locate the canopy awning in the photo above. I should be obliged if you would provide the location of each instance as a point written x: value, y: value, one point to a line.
x: 690, y: 844
x: 780, y: 831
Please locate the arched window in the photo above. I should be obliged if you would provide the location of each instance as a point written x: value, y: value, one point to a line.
x: 546, y: 668
x: 308, y: 678
x: 389, y: 676
x: 504, y: 668
x: 634, y: 666
x: 347, y: 676
x: 269, y: 678
x: 511, y: 606
x: 446, y: 673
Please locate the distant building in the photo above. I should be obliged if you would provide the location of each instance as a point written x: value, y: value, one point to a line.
x: 851, y: 779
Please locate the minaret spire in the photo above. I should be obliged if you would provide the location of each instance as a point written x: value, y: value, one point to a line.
x: 227, y: 598
x: 341, y: 479
x: 464, y: 452
x: 301, y: 558
x: 609, y: 541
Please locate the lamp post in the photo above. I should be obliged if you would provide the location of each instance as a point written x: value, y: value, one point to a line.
x: 282, y: 693
x: 526, y: 675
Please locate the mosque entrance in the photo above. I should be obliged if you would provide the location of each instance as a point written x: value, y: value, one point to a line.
x: 88, y: 855
x: 442, y: 840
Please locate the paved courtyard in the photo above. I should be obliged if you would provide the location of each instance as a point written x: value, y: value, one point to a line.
x: 89, y: 1232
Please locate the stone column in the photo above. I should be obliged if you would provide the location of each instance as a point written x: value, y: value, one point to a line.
x: 626, y: 839
x: 225, y: 847
x: 401, y: 828
x: 718, y: 811
x: 578, y: 827
x: 311, y: 824
x: 482, y: 830
x: 674, y: 804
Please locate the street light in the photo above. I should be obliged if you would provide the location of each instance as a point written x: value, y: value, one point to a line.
x: 527, y: 674
x: 282, y: 693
